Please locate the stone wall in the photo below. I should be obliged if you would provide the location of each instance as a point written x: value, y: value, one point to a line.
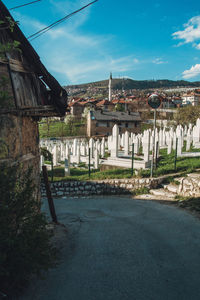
x: 190, y: 185
x: 102, y: 187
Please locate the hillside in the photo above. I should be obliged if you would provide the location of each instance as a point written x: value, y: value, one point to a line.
x: 128, y: 84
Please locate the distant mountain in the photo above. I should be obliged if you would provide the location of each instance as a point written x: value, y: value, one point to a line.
x: 128, y: 84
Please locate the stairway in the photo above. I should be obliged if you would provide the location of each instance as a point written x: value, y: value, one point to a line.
x: 184, y: 186
x: 167, y: 192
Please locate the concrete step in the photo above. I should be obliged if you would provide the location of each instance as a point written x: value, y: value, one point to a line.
x: 171, y: 188
x: 162, y: 193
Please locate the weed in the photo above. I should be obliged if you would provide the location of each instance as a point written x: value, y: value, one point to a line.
x: 140, y: 191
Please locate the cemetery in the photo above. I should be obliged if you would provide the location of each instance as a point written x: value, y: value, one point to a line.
x: 119, y: 153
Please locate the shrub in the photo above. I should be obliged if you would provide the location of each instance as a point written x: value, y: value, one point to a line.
x: 140, y: 191
x: 25, y: 244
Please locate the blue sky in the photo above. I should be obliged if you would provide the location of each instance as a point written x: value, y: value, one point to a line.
x: 138, y: 39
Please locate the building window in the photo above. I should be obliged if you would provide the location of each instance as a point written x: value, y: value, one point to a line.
x: 126, y: 125
x: 102, y: 124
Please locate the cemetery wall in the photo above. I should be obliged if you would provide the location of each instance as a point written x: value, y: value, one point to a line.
x: 102, y: 187
x: 19, y: 145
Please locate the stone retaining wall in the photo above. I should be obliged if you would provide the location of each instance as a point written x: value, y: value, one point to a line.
x: 102, y: 187
x: 190, y: 185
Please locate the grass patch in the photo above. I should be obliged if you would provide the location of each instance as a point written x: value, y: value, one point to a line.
x: 61, y: 129
x: 82, y: 174
x: 165, y: 165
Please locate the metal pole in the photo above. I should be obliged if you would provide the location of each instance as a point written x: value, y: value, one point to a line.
x: 132, y: 163
x: 154, y: 141
x: 156, y: 156
x: 175, y: 157
x: 52, y: 168
x: 89, y: 170
x: 49, y: 197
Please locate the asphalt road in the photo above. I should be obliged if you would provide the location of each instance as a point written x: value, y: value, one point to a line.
x: 119, y: 248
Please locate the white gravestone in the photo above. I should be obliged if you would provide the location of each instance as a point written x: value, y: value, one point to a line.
x: 126, y: 143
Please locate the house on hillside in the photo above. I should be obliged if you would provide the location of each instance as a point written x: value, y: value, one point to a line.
x: 105, y: 105
x: 78, y: 106
x: 28, y: 92
x: 191, y: 98
x: 101, y: 122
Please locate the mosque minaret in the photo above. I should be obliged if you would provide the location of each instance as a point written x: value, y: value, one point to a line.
x: 110, y: 88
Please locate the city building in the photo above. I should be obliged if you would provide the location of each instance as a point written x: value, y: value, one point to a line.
x: 101, y: 122
x: 191, y: 98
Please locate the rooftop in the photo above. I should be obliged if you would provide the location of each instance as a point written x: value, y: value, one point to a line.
x: 116, y: 116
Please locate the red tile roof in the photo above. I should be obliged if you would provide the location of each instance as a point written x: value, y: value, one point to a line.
x: 104, y: 102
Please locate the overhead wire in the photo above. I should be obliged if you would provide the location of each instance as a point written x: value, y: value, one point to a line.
x: 47, y: 28
x: 25, y: 4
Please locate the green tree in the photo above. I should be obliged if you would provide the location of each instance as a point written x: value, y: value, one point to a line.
x: 70, y: 122
x: 25, y: 242
x: 187, y: 114
x: 119, y: 107
x: 9, y: 46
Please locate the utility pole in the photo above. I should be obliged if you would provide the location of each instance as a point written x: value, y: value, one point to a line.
x: 154, y: 101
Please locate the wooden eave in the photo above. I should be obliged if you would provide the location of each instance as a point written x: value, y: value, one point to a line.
x: 59, y: 95
x: 40, y: 111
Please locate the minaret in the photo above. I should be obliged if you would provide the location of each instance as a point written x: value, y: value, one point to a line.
x: 110, y: 88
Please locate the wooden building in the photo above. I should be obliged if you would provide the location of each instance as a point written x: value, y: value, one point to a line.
x: 27, y: 93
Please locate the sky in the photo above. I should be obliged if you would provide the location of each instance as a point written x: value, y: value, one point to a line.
x: 142, y: 40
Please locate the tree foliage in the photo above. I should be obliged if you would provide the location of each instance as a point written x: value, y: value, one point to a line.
x: 128, y: 84
x: 25, y: 245
x: 9, y: 46
x: 119, y: 107
x: 187, y: 114
x: 70, y: 127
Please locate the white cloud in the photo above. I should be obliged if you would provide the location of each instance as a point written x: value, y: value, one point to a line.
x: 73, y: 56
x: 77, y: 70
x: 192, y: 72
x: 67, y: 7
x: 190, y: 34
x: 159, y: 61
x: 197, y: 46
x: 136, y: 61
